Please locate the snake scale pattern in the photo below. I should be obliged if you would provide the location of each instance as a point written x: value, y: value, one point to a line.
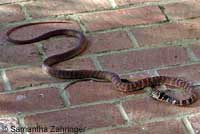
x: 122, y: 85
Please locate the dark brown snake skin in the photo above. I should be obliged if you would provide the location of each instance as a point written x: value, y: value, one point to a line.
x: 120, y: 84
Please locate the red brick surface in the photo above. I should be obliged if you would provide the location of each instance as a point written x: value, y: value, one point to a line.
x: 189, y: 72
x: 106, y: 42
x: 29, y: 101
x: 18, y: 55
x: 30, y: 76
x: 171, y: 126
x: 91, y: 91
x: 187, y: 9
x: 10, y: 13
x: 147, y: 108
x: 122, y: 17
x: 134, y: 38
x: 167, y: 32
x: 51, y: 7
x: 90, y: 117
x: 144, y: 59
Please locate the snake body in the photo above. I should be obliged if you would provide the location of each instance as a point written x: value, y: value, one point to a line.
x: 120, y: 84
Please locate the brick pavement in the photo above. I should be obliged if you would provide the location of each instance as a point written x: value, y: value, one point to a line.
x: 135, y: 38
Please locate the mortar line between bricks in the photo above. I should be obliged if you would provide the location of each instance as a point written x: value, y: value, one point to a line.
x: 96, y: 62
x: 123, y: 113
x: 177, y: 116
x: 40, y: 49
x: 7, y: 86
x: 21, y: 122
x: 64, y: 95
x: 36, y: 87
x: 188, y: 126
x: 14, y: 2
x: 132, y: 39
x: 190, y: 54
x: 94, y: 130
x: 24, y: 10
x: 113, y: 3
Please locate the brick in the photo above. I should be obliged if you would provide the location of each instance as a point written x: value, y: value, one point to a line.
x: 50, y: 7
x: 186, y: 9
x: 30, y: 76
x: 146, y: 108
x: 98, y: 91
x: 128, y: 2
x: 170, y: 126
x: 101, y: 115
x: 121, y: 17
x: 92, y: 91
x: 196, y: 49
x: 13, y: 55
x: 30, y: 101
x: 8, y: 122
x: 1, y: 85
x: 33, y: 31
x: 11, y: 13
x: 111, y: 41
x: 144, y: 59
x: 35, y: 76
x: 167, y: 32
x: 194, y: 120
x: 189, y: 72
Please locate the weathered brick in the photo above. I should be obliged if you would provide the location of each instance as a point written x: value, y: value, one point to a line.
x: 186, y: 9
x: 195, y: 123
x: 12, y: 55
x: 121, y: 17
x: 170, y: 126
x: 108, y: 42
x: 167, y: 32
x: 11, y: 13
x: 58, y: 7
x: 30, y: 76
x: 30, y: 101
x: 189, y: 72
x: 144, y: 59
x: 90, y: 117
x: 128, y: 2
x: 147, y: 108
x: 196, y: 49
x: 92, y: 91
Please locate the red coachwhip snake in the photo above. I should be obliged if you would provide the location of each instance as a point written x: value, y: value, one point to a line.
x: 120, y: 84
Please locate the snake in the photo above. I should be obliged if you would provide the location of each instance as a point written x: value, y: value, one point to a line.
x: 119, y: 84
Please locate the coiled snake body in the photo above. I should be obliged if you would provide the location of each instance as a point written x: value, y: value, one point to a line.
x: 120, y: 84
